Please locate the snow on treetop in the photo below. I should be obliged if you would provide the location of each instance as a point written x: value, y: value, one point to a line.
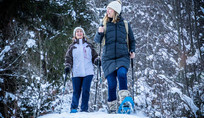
x: 6, y: 49
x: 30, y: 43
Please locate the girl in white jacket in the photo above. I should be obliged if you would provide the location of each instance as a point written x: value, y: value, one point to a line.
x: 80, y: 57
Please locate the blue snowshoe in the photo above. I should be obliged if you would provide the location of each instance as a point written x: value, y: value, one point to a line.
x: 127, y: 106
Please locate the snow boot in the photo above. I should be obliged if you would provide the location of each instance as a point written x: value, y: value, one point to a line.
x: 112, y: 107
x: 122, y: 94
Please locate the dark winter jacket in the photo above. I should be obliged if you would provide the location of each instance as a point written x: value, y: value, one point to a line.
x: 80, y: 57
x: 115, y: 50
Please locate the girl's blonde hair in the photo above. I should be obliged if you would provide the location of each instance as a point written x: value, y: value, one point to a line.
x: 115, y: 18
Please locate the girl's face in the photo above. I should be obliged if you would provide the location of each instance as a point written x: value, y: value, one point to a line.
x: 79, y: 34
x: 110, y: 12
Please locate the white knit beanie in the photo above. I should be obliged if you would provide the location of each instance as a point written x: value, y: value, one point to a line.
x: 74, y: 32
x: 115, y: 5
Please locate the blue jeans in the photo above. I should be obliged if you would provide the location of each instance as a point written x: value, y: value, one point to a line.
x: 81, y: 85
x: 121, y: 74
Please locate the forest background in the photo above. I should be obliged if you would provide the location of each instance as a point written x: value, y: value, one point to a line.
x: 168, y: 68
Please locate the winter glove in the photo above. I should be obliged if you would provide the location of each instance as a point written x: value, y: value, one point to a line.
x: 97, y: 62
x: 67, y: 70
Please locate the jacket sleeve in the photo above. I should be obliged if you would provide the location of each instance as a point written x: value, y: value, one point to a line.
x: 94, y: 55
x: 69, y: 57
x: 131, y: 39
x: 98, y: 37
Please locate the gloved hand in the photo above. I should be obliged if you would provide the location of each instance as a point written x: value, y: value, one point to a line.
x: 67, y: 70
x: 97, y: 62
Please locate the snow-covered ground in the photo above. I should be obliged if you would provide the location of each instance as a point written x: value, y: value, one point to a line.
x: 101, y: 113
x: 92, y: 115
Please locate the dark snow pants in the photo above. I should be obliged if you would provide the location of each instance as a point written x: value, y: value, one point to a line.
x: 81, y: 85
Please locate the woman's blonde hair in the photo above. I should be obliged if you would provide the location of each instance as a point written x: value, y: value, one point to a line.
x: 115, y: 18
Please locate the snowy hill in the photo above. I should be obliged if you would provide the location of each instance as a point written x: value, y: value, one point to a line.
x: 92, y: 115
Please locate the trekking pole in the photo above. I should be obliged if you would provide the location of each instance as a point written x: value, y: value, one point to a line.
x: 98, y: 76
x: 133, y: 81
x: 98, y: 71
x: 101, y: 24
x: 64, y: 83
x: 96, y: 91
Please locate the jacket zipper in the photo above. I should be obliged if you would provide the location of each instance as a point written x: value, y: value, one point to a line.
x: 115, y: 44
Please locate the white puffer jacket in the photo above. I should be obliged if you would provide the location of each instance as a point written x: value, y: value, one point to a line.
x: 80, y: 57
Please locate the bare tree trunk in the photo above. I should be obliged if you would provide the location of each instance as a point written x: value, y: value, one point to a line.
x: 178, y: 17
x: 189, y: 10
x: 199, y: 43
x: 192, y: 49
x: 39, y: 99
x: 184, y: 53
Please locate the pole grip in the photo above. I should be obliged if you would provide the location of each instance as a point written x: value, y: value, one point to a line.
x: 101, y: 22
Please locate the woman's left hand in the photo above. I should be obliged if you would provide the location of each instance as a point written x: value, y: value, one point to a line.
x: 132, y: 55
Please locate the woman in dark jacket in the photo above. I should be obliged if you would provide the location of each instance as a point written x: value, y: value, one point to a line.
x: 116, y: 54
